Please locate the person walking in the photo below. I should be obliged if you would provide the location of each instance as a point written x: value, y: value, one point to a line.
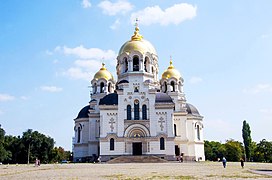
x: 224, y: 161
x: 242, y: 162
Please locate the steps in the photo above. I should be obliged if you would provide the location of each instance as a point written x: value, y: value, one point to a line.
x: 137, y: 159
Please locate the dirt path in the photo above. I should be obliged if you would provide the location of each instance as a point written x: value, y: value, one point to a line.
x: 203, y: 170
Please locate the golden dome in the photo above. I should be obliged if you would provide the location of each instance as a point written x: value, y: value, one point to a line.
x: 103, y: 73
x: 171, y: 72
x: 137, y: 43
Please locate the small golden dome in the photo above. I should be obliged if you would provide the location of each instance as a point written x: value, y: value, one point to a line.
x: 171, y: 72
x: 103, y: 73
x: 137, y: 43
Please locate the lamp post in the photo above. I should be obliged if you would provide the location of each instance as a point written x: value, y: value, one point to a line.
x: 28, y: 152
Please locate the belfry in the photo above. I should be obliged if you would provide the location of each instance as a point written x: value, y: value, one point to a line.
x: 139, y: 114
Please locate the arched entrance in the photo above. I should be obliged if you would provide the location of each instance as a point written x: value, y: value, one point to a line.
x: 136, y: 142
x: 137, y: 148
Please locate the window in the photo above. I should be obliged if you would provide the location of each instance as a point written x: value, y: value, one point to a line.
x: 173, y: 86
x: 175, y: 129
x: 162, y: 145
x: 95, y: 88
x: 109, y: 87
x: 126, y: 65
x: 165, y: 87
x: 144, y: 112
x: 111, y: 144
x: 136, y: 110
x: 128, y: 112
x: 198, y: 132
x: 146, y: 64
x: 136, y: 89
x: 78, y: 134
x: 135, y: 63
x: 102, y: 87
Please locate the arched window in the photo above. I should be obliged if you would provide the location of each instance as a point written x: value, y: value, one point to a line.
x: 136, y: 89
x: 144, y: 112
x: 78, y: 134
x: 135, y: 63
x: 173, y: 86
x: 198, y: 132
x: 126, y: 64
x: 109, y: 87
x: 162, y: 145
x: 136, y: 110
x: 165, y: 87
x: 102, y: 87
x: 111, y: 144
x: 175, y: 129
x: 146, y: 62
x: 128, y: 112
x: 94, y: 88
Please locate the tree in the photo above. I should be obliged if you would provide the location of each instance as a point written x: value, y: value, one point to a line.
x: 213, y: 150
x: 4, y: 154
x: 234, y: 150
x: 246, y: 133
x: 263, y: 152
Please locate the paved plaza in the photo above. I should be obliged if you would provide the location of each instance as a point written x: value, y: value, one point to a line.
x: 174, y: 170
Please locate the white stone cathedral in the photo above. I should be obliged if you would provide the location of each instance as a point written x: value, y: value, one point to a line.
x: 140, y: 113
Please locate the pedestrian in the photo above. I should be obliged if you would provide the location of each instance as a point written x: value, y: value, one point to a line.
x: 179, y: 158
x: 224, y: 161
x: 242, y: 162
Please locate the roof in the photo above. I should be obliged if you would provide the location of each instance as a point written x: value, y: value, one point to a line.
x: 192, y: 109
x: 110, y: 99
x: 83, y: 113
x: 163, y: 98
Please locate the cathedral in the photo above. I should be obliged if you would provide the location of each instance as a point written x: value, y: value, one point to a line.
x: 140, y: 113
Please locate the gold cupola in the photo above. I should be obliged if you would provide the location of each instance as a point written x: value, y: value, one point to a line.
x: 137, y: 43
x: 103, y: 73
x: 171, y: 72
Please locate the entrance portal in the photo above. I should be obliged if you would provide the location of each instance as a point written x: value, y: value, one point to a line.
x: 137, y: 148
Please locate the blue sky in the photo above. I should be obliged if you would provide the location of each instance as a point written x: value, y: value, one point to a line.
x: 50, y: 50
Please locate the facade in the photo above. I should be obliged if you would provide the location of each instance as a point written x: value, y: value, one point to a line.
x: 140, y: 113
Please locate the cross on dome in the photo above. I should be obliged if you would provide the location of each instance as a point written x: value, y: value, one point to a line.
x: 136, y: 36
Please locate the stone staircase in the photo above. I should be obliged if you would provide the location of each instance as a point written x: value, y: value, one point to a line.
x: 137, y: 159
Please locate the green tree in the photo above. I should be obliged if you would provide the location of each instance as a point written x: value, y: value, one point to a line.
x: 58, y: 154
x: 263, y: 151
x: 4, y: 154
x: 234, y: 150
x: 37, y: 145
x: 213, y: 150
x: 246, y: 133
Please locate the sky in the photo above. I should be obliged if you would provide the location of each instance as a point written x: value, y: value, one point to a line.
x: 50, y: 51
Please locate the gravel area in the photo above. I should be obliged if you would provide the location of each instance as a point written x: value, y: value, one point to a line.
x: 173, y: 170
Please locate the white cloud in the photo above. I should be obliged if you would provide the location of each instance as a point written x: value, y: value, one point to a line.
x: 259, y: 88
x: 77, y: 73
x: 86, y: 4
x: 85, y: 53
x: 195, y: 80
x: 115, y: 25
x: 24, y: 98
x: 91, y: 65
x: 172, y: 15
x: 119, y: 7
x: 6, y: 97
x: 88, y: 62
x: 51, y: 88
